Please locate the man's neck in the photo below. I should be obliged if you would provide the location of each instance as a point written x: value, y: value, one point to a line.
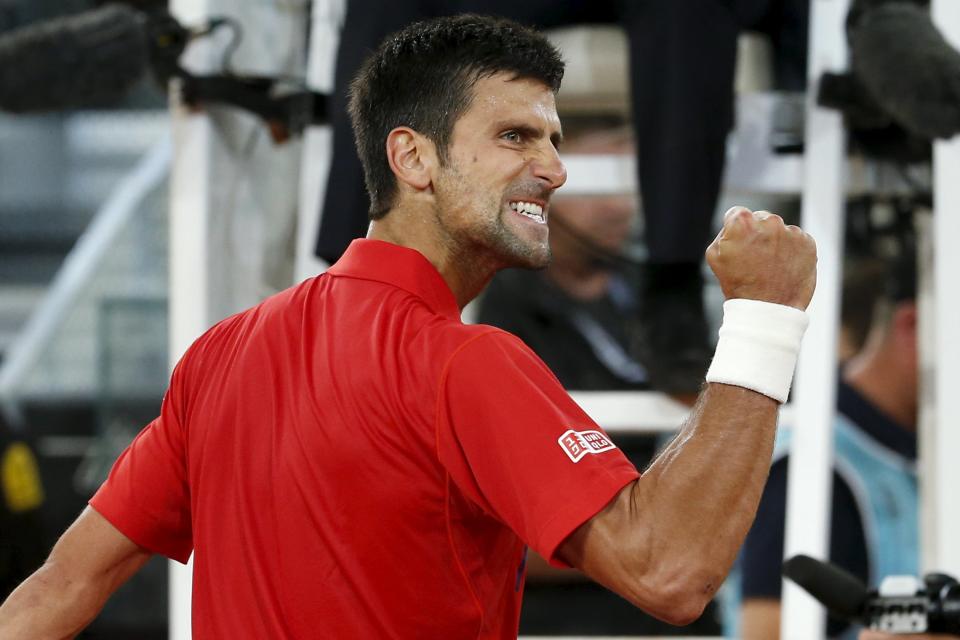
x: 466, y: 275
x: 870, y: 374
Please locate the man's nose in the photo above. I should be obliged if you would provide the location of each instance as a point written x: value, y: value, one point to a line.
x: 550, y: 168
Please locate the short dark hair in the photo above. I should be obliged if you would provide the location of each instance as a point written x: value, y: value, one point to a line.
x: 422, y: 77
x: 874, y: 286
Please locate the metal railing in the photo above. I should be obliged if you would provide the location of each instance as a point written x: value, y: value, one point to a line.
x: 80, y: 266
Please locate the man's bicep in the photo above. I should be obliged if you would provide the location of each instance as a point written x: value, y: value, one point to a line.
x: 613, y: 549
x: 595, y: 545
x: 515, y: 443
x: 94, y: 551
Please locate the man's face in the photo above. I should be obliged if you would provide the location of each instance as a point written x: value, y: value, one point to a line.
x: 493, y: 193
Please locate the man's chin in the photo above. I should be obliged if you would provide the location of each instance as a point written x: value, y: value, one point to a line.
x: 543, y: 263
x: 533, y: 260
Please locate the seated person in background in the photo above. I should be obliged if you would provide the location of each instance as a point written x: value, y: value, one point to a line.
x: 580, y: 315
x: 874, y: 525
x: 863, y: 283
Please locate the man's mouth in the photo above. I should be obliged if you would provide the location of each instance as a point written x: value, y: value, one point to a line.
x: 531, y: 210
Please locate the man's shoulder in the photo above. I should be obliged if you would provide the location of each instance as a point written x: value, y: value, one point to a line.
x: 207, y: 347
x: 499, y: 355
x: 443, y: 343
x: 456, y: 337
x: 489, y: 337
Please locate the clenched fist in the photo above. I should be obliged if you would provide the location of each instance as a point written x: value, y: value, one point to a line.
x: 756, y: 256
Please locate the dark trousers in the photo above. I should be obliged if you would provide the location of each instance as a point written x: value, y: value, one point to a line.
x: 682, y: 60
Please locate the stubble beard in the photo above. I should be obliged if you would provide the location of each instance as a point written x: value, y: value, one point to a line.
x: 490, y: 235
x: 517, y: 251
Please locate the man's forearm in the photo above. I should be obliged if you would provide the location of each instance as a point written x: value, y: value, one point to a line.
x: 701, y: 493
x: 89, y: 562
x: 49, y: 606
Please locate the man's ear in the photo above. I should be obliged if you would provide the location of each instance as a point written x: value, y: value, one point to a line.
x: 412, y: 157
x: 905, y: 322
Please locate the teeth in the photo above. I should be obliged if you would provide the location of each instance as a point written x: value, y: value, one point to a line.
x: 530, y: 209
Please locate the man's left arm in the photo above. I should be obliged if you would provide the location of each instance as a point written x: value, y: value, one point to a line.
x: 89, y: 562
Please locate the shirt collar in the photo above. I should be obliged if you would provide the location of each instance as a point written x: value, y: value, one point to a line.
x: 875, y: 423
x: 400, y: 267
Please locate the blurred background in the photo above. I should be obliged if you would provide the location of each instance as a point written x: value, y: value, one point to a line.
x: 162, y: 167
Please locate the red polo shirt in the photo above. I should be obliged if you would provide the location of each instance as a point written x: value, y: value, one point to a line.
x: 349, y: 460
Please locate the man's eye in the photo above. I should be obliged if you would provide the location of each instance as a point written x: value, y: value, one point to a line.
x: 513, y: 136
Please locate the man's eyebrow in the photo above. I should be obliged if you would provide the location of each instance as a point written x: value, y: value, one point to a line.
x: 528, y: 131
x: 522, y: 128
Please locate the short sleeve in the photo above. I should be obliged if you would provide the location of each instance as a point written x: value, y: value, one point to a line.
x: 515, y: 443
x: 146, y: 496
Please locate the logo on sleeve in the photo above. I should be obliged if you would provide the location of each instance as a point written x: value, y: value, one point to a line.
x: 577, y: 444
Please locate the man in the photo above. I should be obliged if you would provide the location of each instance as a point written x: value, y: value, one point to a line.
x: 874, y: 527
x: 349, y: 459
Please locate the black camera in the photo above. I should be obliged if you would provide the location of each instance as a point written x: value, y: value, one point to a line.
x: 902, y: 604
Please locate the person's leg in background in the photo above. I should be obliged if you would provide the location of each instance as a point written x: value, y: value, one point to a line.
x: 787, y: 24
x: 682, y: 63
x: 682, y: 60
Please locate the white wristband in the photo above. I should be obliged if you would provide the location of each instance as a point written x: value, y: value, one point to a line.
x: 758, y: 346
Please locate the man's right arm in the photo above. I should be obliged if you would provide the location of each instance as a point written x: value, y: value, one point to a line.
x: 89, y: 562
x: 667, y: 540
